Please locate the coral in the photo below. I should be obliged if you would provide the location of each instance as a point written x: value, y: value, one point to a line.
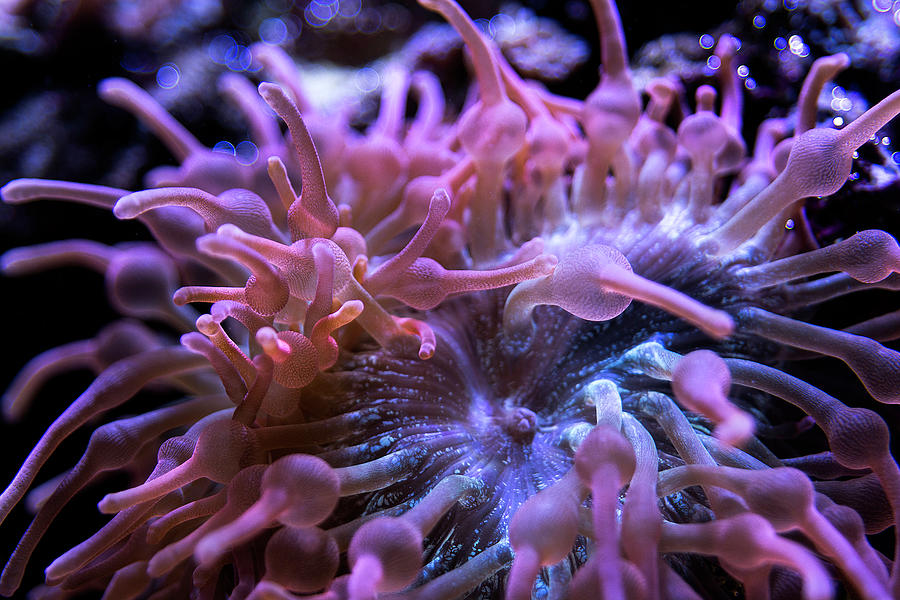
x: 543, y: 348
x: 537, y: 47
x: 36, y: 26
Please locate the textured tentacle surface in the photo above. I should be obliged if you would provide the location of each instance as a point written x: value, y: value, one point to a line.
x: 532, y: 347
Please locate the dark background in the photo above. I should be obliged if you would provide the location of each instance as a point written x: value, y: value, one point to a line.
x: 53, y: 126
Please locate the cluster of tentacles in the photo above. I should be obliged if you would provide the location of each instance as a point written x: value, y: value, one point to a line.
x: 406, y: 391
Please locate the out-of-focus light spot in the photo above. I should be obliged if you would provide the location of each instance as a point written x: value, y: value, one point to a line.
x: 853, y: 176
x: 841, y: 104
x: 838, y: 121
x: 897, y: 17
x: 502, y: 25
x: 885, y: 141
x: 29, y: 42
x: 273, y: 31
x: 743, y: 70
x: 707, y: 41
x: 576, y: 10
x: 770, y: 5
x: 838, y: 92
x: 224, y: 147
x: 789, y: 224
x: 279, y: 5
x: 368, y: 21
x: 750, y: 83
x: 780, y: 43
x: 791, y: 4
x: 349, y: 8
x: 367, y: 80
x: 238, y: 58
x: 246, y: 152
x: 219, y: 48
x: 896, y: 158
x: 294, y: 26
x: 802, y: 51
x: 319, y: 13
x: 135, y: 62
x: 714, y: 62
x: 759, y: 21
x: 882, y: 5
x: 168, y: 76
x: 855, y: 155
x: 396, y: 17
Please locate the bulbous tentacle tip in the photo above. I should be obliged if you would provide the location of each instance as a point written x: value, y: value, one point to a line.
x: 439, y: 203
x: 356, y: 397
x: 386, y: 553
x: 541, y: 532
x: 55, y: 571
x: 736, y: 429
x: 544, y: 264
x: 14, y: 192
x: 420, y: 329
x: 128, y: 207
x: 841, y: 60
x: 720, y: 324
x: 272, y: 93
x: 872, y: 256
x: 111, y: 87
x: 727, y: 45
x: 231, y: 230
x: 10, y: 262
x: 605, y: 445
x: 108, y: 505
x: 303, y: 560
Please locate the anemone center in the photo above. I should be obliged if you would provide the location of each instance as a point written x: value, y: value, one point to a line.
x: 519, y: 423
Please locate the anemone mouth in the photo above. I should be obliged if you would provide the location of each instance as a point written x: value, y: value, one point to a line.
x: 538, y: 351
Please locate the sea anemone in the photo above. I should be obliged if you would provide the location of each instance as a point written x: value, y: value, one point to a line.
x: 544, y: 349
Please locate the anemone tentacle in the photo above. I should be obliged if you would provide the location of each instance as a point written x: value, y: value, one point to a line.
x: 528, y: 353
